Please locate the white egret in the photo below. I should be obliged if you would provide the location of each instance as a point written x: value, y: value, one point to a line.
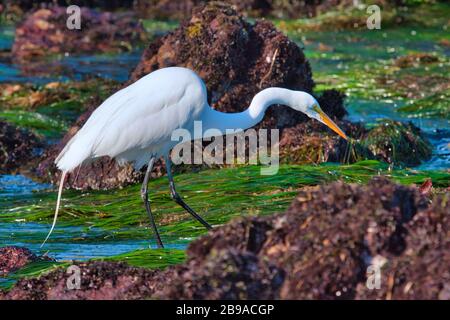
x: 136, y: 123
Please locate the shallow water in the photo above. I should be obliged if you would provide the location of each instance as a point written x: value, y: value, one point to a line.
x: 65, y: 67
x: 67, y: 242
x: 353, y: 63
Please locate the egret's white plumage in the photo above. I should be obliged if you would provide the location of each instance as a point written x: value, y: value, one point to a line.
x: 138, y: 120
x: 136, y: 123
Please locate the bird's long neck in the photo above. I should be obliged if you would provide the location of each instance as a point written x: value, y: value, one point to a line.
x: 223, y: 121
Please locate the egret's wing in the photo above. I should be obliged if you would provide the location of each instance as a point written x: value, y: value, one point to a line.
x: 149, y: 118
x: 138, y: 116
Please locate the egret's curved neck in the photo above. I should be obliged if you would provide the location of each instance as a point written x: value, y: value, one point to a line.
x: 213, y: 119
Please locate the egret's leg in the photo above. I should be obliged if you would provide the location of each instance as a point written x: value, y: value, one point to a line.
x: 144, y: 196
x: 176, y: 197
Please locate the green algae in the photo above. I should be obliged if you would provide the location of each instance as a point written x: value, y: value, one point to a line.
x: 218, y: 195
x: 434, y: 106
x: 417, y: 15
x: 158, y: 27
x: 150, y: 258
x: 31, y: 270
x: 37, y: 122
x: 49, y: 110
x: 398, y: 143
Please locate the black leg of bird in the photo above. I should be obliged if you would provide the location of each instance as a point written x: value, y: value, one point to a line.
x: 176, y: 197
x: 144, y: 196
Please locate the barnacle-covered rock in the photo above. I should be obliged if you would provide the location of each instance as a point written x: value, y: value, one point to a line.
x: 17, y: 147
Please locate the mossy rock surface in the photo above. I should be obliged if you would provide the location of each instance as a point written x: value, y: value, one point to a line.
x: 398, y: 143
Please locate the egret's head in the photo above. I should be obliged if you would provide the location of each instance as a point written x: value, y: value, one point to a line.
x: 311, y: 108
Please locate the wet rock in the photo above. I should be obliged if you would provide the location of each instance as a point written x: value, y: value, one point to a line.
x: 332, y: 103
x: 235, y: 59
x: 415, y: 60
x: 320, y: 248
x: 422, y: 271
x: 17, y: 147
x: 99, y: 280
x: 45, y: 32
x: 313, y: 142
x: 225, y: 274
x: 324, y: 255
x: 398, y: 143
x: 13, y: 258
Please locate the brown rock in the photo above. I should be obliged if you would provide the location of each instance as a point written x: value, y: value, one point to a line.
x: 17, y: 147
x: 13, y: 258
x: 99, y: 280
x: 415, y: 60
x: 45, y: 32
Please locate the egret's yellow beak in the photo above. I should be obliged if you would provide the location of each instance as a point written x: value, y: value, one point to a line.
x: 330, y: 123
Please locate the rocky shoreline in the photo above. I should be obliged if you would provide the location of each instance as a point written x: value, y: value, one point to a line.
x: 332, y: 237
x: 320, y: 248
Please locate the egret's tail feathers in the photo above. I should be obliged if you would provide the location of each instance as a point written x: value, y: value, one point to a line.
x: 58, y: 201
x: 74, y: 153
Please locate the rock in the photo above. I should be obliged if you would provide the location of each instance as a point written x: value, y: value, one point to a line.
x: 13, y: 258
x: 422, y: 271
x: 99, y: 280
x: 294, y: 255
x: 235, y: 59
x: 398, y: 143
x: 45, y: 32
x: 324, y: 255
x: 166, y: 9
x: 313, y: 142
x: 415, y: 60
x: 17, y: 147
x: 224, y: 274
